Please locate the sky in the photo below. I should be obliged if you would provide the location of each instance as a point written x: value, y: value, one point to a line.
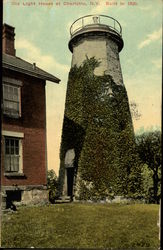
x: 42, y: 36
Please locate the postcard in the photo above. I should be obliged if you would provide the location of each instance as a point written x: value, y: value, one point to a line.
x: 81, y: 124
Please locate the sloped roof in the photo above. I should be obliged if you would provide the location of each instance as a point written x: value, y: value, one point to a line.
x: 20, y: 65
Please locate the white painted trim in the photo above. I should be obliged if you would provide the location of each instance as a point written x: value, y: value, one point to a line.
x: 12, y: 133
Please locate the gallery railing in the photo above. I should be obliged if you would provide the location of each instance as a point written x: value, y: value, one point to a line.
x: 98, y: 20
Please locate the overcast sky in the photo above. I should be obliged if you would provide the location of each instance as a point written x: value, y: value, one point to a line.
x: 42, y: 35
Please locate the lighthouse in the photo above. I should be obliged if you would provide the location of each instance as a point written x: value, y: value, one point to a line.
x: 97, y: 142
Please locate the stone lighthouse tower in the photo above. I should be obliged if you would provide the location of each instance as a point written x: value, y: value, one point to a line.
x: 97, y: 136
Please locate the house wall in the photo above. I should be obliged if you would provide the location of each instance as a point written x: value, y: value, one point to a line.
x: 33, y: 124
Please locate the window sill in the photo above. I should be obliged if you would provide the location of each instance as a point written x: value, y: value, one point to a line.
x: 14, y: 174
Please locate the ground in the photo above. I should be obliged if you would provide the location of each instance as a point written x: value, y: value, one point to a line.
x: 82, y: 225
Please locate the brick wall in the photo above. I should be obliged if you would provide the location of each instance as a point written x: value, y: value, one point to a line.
x: 33, y: 124
x: 8, y: 37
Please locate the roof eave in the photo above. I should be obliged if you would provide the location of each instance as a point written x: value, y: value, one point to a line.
x: 30, y: 73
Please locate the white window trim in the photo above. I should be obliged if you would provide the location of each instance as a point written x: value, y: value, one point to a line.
x: 11, y: 81
x: 12, y: 133
x: 19, y: 135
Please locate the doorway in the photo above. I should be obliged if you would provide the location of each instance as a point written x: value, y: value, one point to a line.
x: 70, y: 181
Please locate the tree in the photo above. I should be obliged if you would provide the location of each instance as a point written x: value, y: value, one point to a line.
x: 52, y: 184
x: 149, y: 150
x: 134, y: 110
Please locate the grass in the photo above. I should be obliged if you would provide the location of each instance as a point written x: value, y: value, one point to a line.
x: 82, y: 226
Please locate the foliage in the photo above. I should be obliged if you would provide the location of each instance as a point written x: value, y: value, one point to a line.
x: 52, y: 184
x: 149, y: 149
x: 134, y: 110
x: 147, y: 181
x: 98, y: 125
x: 100, y: 226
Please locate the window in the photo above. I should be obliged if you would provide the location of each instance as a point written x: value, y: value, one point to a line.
x: 11, y: 154
x: 13, y: 151
x: 11, y: 100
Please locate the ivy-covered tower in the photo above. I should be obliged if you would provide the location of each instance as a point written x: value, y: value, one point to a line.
x: 97, y: 139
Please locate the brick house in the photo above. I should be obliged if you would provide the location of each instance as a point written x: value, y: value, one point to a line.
x: 23, y: 135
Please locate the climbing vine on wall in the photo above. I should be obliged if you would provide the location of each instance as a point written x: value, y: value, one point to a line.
x: 98, y: 125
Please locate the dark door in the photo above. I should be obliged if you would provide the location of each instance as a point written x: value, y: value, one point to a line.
x: 70, y: 180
